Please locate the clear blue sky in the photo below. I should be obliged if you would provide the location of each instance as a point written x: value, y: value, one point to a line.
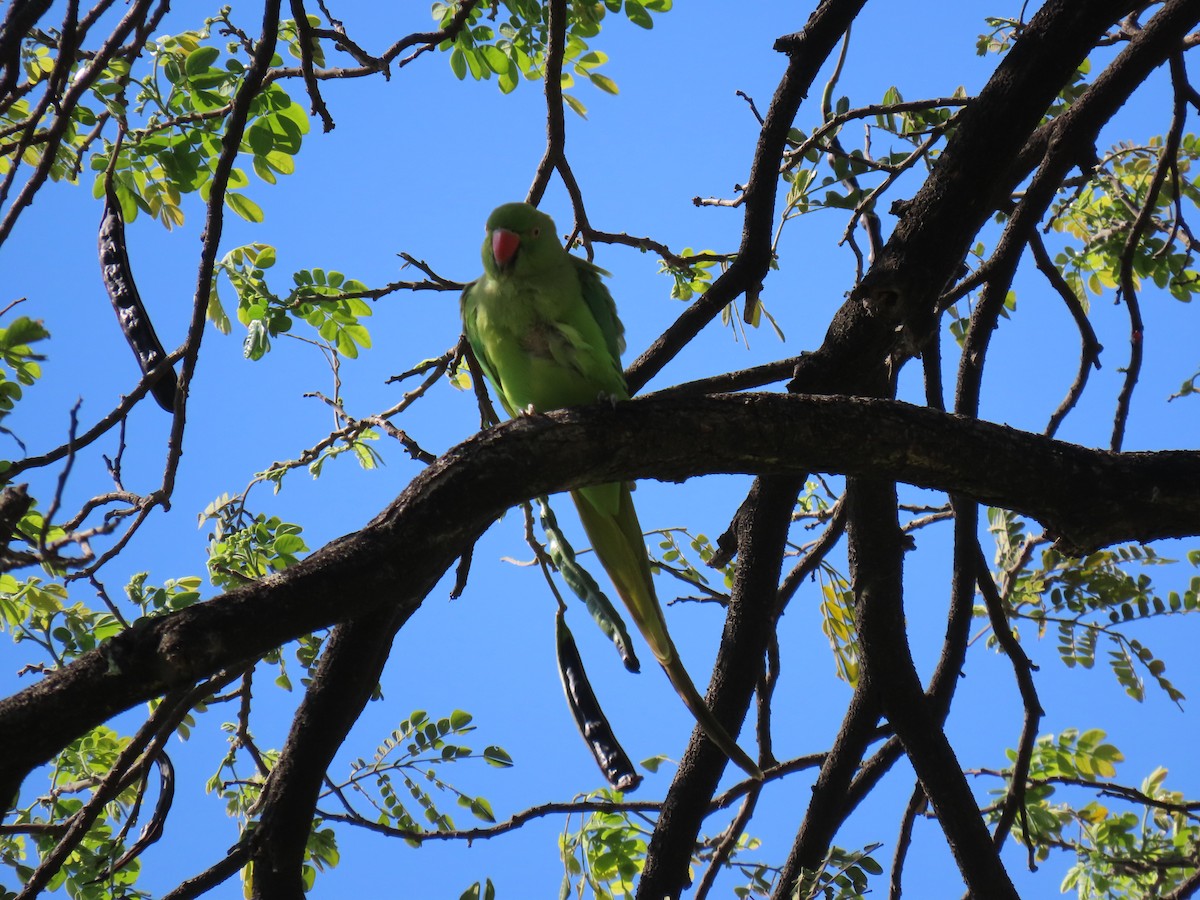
x: 414, y: 165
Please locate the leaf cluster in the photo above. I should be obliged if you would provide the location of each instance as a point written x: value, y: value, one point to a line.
x: 20, y: 366
x: 517, y: 46
x: 605, y: 855
x: 327, y: 301
x: 1126, y: 842
x: 182, y: 105
x: 34, y: 830
x: 1101, y: 211
x: 1086, y: 599
x: 400, y: 781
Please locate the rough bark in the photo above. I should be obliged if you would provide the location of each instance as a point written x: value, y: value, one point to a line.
x: 1087, y: 498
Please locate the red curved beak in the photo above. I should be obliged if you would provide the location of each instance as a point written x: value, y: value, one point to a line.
x: 505, y: 244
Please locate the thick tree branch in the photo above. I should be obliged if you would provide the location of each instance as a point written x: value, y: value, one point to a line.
x: 1088, y: 498
x: 876, y: 566
x: 829, y: 804
x: 347, y: 675
x: 22, y: 15
x: 1072, y: 144
x: 974, y: 175
x: 989, y: 135
x: 947, y: 672
x: 762, y: 537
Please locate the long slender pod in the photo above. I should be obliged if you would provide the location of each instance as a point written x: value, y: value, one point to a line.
x: 589, y: 717
x: 131, y: 312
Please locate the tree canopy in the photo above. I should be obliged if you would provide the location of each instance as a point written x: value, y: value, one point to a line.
x: 948, y: 615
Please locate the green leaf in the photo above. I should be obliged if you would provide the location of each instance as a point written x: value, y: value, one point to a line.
x: 508, y: 79
x: 200, y: 60
x: 497, y: 756
x: 495, y: 58
x: 592, y: 58
x: 244, y: 207
x: 653, y: 763
x: 278, y: 161
x: 22, y: 330
x: 476, y: 65
x: 481, y: 809
x: 289, y: 544
x: 574, y: 103
x: 603, y: 82
x: 260, y: 138
x: 637, y: 14
x: 458, y: 64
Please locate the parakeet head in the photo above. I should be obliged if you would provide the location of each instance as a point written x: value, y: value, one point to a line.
x: 521, y: 240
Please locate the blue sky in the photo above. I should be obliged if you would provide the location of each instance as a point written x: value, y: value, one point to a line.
x: 415, y: 165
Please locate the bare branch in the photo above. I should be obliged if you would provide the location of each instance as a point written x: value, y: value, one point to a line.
x: 1128, y: 291
x: 306, y: 40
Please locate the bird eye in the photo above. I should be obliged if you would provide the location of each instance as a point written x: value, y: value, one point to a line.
x: 535, y: 232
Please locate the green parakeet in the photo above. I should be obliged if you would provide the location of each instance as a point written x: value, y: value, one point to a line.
x: 545, y: 331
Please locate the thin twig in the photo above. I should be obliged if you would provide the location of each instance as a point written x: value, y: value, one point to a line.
x: 1089, y: 354
x: 252, y: 84
x: 727, y: 843
x: 1128, y: 290
x: 1014, y: 802
x: 306, y: 40
x: 916, y: 803
x: 556, y: 128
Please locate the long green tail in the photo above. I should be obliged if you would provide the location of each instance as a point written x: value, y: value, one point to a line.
x: 611, y: 523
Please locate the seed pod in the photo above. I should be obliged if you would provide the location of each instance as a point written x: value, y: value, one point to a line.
x: 135, y: 323
x: 580, y: 581
x: 153, y: 830
x: 589, y: 717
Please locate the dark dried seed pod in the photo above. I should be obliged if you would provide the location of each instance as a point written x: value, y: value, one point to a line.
x: 589, y: 717
x: 154, y: 828
x: 135, y: 323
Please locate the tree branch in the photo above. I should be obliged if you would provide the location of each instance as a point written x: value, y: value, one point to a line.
x: 306, y: 40
x: 348, y: 674
x: 556, y: 126
x: 1128, y: 289
x: 828, y: 807
x: 762, y: 537
x: 807, y: 51
x: 975, y: 173
x: 210, y: 240
x: 876, y: 565
x: 1088, y: 498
